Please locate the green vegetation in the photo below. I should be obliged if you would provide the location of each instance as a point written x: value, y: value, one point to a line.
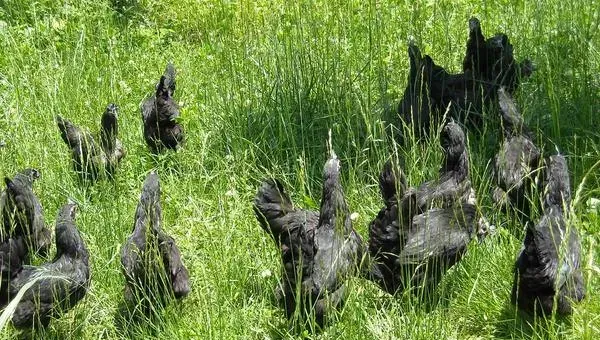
x: 260, y: 83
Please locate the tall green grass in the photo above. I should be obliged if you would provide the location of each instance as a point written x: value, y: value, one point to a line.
x: 260, y: 83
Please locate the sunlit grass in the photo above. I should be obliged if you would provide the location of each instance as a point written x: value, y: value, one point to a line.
x: 260, y: 83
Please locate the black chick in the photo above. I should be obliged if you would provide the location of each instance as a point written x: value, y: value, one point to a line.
x: 454, y: 183
x: 58, y: 285
x: 22, y: 212
x: 319, y: 250
x: 517, y: 160
x: 150, y: 258
x: 89, y: 159
x: 465, y: 98
x: 548, y: 265
x: 159, y: 114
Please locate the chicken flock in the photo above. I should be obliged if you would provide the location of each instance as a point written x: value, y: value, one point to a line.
x: 419, y: 233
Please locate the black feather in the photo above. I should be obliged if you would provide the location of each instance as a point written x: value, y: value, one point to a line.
x: 319, y: 250
x: 488, y: 65
x: 418, y: 235
x: 65, y: 279
x: 22, y: 212
x: 517, y: 161
x: 94, y: 156
x: 159, y: 114
x: 151, y: 261
x: 548, y: 268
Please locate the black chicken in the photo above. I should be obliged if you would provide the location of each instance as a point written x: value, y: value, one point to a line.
x: 517, y: 160
x: 150, y: 258
x: 454, y: 183
x: 292, y: 231
x: 160, y: 113
x: 424, y: 94
x: 385, y: 238
x: 491, y: 61
x: 22, y: 212
x: 319, y: 250
x: 547, y: 269
x: 89, y: 159
x: 411, y: 250
x: 431, y: 91
x: 487, y: 65
x: 434, y: 242
x: 58, y: 285
x: 476, y: 57
x: 13, y: 253
x: 421, y: 232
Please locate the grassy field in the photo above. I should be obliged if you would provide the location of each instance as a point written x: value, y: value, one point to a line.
x: 260, y: 83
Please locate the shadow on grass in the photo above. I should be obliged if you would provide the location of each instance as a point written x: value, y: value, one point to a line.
x: 56, y: 328
x: 135, y: 323
x: 300, y: 323
x: 168, y: 163
x: 144, y: 314
x: 514, y: 323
